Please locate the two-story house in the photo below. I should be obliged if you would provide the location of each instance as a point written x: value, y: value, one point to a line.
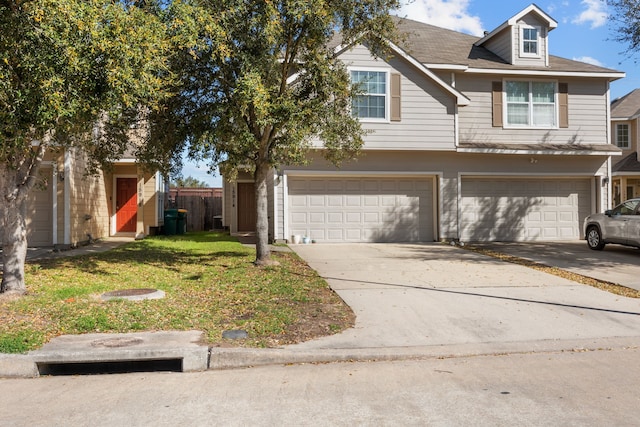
x: 474, y: 139
x: 625, y: 117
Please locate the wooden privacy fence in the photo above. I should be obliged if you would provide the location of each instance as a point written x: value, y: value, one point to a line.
x: 201, y: 211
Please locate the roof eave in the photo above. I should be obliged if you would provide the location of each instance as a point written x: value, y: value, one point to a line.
x: 612, y: 75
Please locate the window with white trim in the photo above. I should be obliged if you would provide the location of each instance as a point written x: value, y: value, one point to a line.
x: 622, y: 135
x: 530, y: 41
x: 531, y: 104
x: 371, y: 103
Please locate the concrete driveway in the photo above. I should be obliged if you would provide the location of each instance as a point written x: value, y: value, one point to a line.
x: 617, y: 264
x: 437, y: 295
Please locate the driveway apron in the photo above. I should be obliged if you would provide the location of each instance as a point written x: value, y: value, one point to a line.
x: 408, y: 295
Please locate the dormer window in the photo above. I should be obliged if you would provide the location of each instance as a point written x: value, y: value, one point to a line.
x: 530, y: 41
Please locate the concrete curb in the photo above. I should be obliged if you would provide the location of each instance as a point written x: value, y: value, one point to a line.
x: 200, y: 358
x: 233, y: 358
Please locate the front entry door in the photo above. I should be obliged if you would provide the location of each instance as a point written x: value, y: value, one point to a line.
x: 126, y: 205
x: 246, y: 206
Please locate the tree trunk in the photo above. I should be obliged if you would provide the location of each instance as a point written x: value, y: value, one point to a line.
x: 263, y: 254
x: 14, y: 246
x: 14, y: 233
x: 16, y: 181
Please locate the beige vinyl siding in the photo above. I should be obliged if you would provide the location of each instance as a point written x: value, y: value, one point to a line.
x: 539, y: 61
x: 150, y: 203
x: 587, y: 115
x: 427, y: 112
x: 448, y: 166
x: 89, y: 212
x: 501, y: 44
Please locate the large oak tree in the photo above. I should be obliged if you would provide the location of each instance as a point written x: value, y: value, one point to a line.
x: 271, y: 82
x: 65, y: 65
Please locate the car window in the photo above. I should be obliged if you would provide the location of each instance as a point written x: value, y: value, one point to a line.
x: 630, y: 207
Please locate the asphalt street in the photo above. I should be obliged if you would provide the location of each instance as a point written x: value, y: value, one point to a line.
x: 570, y: 388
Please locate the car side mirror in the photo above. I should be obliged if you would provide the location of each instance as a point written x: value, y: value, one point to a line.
x: 608, y: 212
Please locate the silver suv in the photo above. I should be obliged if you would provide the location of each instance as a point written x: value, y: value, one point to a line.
x: 619, y: 225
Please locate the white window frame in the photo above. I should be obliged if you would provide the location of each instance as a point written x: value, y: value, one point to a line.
x: 387, y: 95
x: 505, y: 104
x: 538, y: 41
x: 628, y: 145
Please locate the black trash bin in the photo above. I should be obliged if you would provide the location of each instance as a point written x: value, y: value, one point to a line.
x: 181, y: 223
x: 170, y: 221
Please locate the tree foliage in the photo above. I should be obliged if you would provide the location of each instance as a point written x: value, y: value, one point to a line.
x: 626, y: 18
x: 66, y: 65
x: 188, y: 182
x: 264, y: 83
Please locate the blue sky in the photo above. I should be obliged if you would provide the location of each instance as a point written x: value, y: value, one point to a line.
x: 584, y: 33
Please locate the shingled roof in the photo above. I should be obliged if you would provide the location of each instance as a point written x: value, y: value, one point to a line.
x: 430, y: 44
x: 627, y: 106
x: 628, y: 164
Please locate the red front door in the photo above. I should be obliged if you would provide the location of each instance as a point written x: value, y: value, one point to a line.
x: 126, y: 205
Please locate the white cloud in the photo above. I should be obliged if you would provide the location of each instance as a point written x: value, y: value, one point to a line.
x: 451, y: 14
x: 595, y: 13
x: 589, y: 60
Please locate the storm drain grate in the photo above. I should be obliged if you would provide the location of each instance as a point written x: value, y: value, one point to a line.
x: 114, y: 367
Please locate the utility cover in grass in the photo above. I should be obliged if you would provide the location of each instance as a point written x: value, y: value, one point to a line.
x: 134, y: 294
x: 235, y: 334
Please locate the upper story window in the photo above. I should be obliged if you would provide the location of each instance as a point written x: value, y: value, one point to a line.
x: 531, y: 104
x: 622, y: 135
x: 530, y: 41
x: 371, y: 103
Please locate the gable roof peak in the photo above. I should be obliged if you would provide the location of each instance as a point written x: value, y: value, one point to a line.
x: 532, y: 8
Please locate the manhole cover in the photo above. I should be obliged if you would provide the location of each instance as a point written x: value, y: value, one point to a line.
x: 116, y: 342
x: 235, y: 334
x: 134, y: 294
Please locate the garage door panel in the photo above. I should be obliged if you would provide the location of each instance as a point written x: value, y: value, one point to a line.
x: 362, y: 209
x: 523, y: 209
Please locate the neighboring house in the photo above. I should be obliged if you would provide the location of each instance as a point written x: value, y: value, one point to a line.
x: 625, y: 114
x: 68, y: 208
x: 475, y: 139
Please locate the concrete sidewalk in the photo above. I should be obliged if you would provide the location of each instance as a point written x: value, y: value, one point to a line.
x: 434, y: 295
x: 49, y: 252
x: 420, y: 301
x: 616, y: 263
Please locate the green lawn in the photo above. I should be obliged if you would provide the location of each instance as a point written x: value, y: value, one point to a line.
x: 210, y: 283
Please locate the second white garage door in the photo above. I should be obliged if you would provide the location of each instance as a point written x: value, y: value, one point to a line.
x: 498, y: 209
x: 361, y: 209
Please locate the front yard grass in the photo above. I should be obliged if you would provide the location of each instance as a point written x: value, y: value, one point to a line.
x: 210, y: 283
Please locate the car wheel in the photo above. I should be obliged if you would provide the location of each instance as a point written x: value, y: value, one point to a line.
x: 594, y: 239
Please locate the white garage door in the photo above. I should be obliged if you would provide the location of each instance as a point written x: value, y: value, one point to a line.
x: 39, y: 212
x: 523, y: 209
x: 361, y: 209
